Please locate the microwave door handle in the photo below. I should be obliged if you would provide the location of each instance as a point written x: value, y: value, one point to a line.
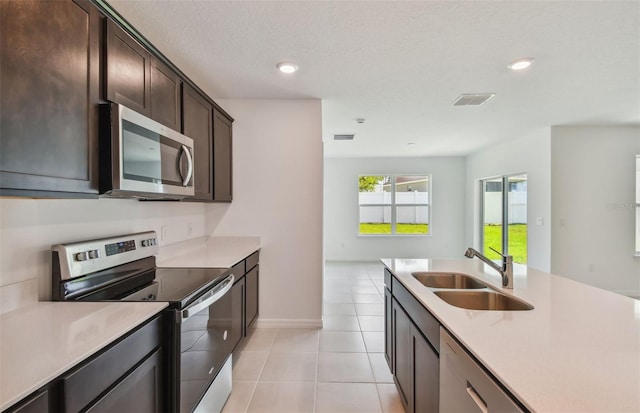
x: 187, y: 152
x: 212, y: 296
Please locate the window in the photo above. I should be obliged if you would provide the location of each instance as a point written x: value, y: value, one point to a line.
x: 394, y: 204
x: 505, y: 210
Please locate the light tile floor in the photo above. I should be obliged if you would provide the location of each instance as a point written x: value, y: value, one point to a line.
x: 337, y: 369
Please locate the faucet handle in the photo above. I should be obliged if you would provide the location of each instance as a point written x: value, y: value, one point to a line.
x: 496, y: 251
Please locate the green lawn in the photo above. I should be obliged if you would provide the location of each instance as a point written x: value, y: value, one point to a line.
x: 492, y: 237
x: 517, y: 241
x: 370, y: 228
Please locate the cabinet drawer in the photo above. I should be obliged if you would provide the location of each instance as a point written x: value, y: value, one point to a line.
x: 238, y: 270
x: 36, y: 403
x: 465, y: 386
x: 252, y: 260
x: 84, y: 384
x: 426, y: 323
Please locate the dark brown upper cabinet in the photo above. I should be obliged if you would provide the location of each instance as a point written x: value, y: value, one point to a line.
x: 50, y: 76
x: 165, y: 95
x: 139, y: 81
x: 222, y: 157
x: 128, y: 71
x: 197, y: 123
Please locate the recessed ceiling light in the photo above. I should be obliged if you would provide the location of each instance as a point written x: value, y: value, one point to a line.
x: 520, y: 64
x: 411, y: 143
x: 287, y: 67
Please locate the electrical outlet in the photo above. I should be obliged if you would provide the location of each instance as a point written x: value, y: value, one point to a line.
x: 163, y: 233
x: 189, y: 229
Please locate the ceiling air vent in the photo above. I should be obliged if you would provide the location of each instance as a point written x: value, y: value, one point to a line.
x: 473, y: 99
x: 343, y: 137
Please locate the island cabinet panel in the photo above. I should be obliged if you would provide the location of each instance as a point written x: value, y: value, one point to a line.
x: 165, y: 95
x: 410, y: 348
x: 48, y: 106
x: 222, y: 157
x: 128, y: 71
x: 388, y: 330
x: 403, y: 355
x: 197, y: 123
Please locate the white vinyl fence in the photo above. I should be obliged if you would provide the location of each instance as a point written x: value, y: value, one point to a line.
x: 493, y: 208
x: 411, y: 207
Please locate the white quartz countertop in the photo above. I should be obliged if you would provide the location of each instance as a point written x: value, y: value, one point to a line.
x: 41, y: 341
x: 578, y: 350
x: 207, y: 252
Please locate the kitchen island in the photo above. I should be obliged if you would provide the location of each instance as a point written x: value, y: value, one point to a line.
x: 578, y: 350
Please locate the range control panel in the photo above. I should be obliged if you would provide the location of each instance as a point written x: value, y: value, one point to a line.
x: 85, y: 257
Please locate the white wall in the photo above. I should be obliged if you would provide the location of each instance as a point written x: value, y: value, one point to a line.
x: 529, y: 154
x: 342, y: 241
x: 593, y: 171
x: 28, y: 228
x: 277, y: 182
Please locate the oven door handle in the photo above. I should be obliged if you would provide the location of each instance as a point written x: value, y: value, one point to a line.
x: 209, y: 298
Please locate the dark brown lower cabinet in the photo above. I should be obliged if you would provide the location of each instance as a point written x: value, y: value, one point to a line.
x: 237, y: 312
x: 36, y: 403
x: 139, y: 391
x: 388, y: 331
x: 403, y: 360
x: 412, y: 345
x: 417, y: 371
x: 130, y: 375
x: 251, y: 287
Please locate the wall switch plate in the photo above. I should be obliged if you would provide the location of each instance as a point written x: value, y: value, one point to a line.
x: 539, y: 221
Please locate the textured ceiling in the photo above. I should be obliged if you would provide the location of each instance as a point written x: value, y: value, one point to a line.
x: 401, y: 64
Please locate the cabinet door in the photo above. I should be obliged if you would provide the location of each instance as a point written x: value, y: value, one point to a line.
x: 165, y: 95
x: 237, y: 316
x: 388, y: 330
x: 128, y: 70
x: 403, y: 360
x: 197, y: 123
x: 222, y: 152
x: 426, y: 375
x: 49, y: 107
x: 251, y: 279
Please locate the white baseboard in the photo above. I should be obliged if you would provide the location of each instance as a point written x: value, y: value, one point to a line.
x: 288, y: 323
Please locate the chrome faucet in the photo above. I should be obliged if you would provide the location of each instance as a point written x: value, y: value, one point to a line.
x: 506, y: 271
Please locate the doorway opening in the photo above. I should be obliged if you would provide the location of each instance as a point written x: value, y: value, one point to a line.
x: 504, y: 217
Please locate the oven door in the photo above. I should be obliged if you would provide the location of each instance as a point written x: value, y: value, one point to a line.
x: 206, y: 329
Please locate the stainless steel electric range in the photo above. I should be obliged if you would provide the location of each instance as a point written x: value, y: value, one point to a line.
x: 202, y: 333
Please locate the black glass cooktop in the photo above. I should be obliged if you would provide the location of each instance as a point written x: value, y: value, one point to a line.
x: 184, y: 285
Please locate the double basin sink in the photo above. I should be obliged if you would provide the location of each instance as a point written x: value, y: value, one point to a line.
x: 464, y: 291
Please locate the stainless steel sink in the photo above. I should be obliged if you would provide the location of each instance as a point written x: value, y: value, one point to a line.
x: 482, y: 300
x: 448, y: 280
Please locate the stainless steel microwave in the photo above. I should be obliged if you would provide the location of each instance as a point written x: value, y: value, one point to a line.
x: 141, y: 158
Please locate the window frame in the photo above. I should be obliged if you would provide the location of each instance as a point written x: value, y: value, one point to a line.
x: 393, y: 205
x: 504, y: 179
